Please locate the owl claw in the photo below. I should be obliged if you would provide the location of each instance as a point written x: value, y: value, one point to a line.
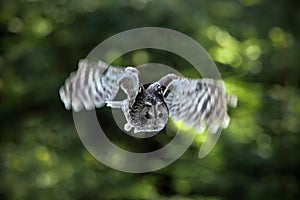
x: 128, y: 127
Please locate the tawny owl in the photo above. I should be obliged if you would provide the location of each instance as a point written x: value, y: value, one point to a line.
x: 200, y: 103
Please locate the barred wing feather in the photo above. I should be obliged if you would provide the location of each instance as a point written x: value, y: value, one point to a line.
x: 94, y: 83
x: 199, y: 103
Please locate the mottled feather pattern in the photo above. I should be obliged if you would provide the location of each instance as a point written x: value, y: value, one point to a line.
x: 135, y: 108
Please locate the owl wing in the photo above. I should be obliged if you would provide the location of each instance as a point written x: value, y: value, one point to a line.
x: 95, y: 83
x: 200, y: 103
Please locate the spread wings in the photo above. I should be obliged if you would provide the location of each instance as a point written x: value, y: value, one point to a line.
x: 95, y: 83
x: 199, y: 103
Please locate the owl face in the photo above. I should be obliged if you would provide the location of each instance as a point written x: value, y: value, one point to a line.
x: 152, y: 118
x: 149, y: 112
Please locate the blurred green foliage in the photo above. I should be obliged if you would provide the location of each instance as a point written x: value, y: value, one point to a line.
x: 256, y: 46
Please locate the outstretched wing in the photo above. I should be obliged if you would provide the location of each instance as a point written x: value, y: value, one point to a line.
x: 94, y: 83
x: 199, y: 103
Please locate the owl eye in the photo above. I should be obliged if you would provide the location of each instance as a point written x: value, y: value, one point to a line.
x: 160, y: 115
x: 159, y: 89
x: 148, y: 116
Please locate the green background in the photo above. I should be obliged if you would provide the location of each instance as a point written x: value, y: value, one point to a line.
x: 255, y: 44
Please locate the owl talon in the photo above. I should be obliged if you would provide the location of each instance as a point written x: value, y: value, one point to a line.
x: 115, y: 104
x: 128, y: 127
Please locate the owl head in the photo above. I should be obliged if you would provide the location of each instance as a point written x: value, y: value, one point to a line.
x: 149, y: 112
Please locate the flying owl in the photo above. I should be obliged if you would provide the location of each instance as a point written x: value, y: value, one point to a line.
x: 199, y: 103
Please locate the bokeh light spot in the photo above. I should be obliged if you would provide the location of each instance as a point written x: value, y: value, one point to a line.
x: 279, y: 38
x: 253, y: 52
x: 183, y: 186
x: 41, y: 27
x: 42, y: 154
x: 15, y: 25
x: 140, y: 57
x: 46, y: 179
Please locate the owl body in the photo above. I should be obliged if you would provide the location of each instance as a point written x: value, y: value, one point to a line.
x: 149, y: 112
x: 200, y: 103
